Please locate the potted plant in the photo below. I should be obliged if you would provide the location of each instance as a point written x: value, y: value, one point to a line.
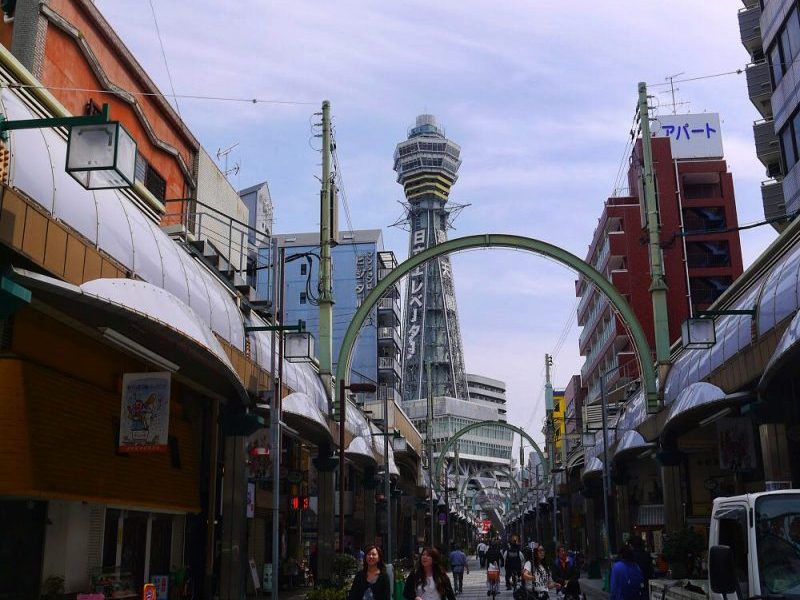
x: 682, y: 549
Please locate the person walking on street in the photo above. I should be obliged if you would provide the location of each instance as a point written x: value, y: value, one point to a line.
x: 494, y: 556
x: 513, y: 560
x: 538, y: 575
x: 428, y: 581
x: 372, y: 582
x: 482, y: 548
x: 627, y: 579
x: 566, y: 573
x: 458, y: 563
x: 642, y: 558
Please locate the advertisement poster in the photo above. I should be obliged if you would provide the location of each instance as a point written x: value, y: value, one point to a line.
x: 162, y: 586
x: 736, y: 445
x: 144, y: 418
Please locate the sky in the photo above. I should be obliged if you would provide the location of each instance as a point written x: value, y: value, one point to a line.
x: 539, y: 94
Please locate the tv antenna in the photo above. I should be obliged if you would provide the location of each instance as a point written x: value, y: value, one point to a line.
x: 673, y: 89
x: 220, y: 153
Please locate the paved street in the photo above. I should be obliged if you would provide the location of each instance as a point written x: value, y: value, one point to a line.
x: 475, y: 585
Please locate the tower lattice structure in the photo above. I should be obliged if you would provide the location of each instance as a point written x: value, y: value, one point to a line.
x: 427, y: 166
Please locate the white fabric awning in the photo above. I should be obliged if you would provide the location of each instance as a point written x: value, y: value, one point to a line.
x: 691, y: 398
x: 631, y: 442
x: 595, y: 467
x: 148, y: 316
x: 359, y: 450
x: 301, y: 412
x: 785, y: 349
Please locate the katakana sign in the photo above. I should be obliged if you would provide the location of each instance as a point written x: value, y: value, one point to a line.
x: 691, y: 136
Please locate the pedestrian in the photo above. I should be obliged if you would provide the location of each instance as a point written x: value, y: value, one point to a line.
x: 482, y: 548
x: 494, y: 556
x: 372, y: 582
x: 428, y: 580
x: 458, y: 563
x: 642, y: 558
x: 513, y: 560
x: 566, y: 573
x: 537, y: 573
x: 627, y: 579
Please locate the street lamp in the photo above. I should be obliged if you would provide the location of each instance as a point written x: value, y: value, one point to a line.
x: 700, y: 331
x: 356, y: 388
x: 398, y: 442
x: 101, y: 154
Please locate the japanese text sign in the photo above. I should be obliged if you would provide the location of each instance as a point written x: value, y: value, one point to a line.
x: 691, y: 136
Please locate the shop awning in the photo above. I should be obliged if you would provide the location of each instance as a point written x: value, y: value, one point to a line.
x: 694, y: 399
x: 784, y: 351
x: 377, y: 446
x: 359, y: 451
x: 630, y: 444
x: 576, y: 459
x: 593, y: 469
x: 301, y: 412
x: 150, y: 317
x: 649, y: 515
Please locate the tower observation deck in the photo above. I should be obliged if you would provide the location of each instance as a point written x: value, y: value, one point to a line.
x: 427, y: 166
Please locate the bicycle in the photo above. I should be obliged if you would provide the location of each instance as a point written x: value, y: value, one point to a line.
x: 493, y: 580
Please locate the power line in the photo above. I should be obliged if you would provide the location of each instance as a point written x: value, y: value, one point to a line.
x: 157, y: 94
x: 164, y: 56
x: 698, y: 78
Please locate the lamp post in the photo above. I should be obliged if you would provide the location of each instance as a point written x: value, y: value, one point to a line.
x: 275, y: 406
x: 355, y: 388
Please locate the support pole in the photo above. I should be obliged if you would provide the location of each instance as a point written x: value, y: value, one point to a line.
x: 275, y: 411
x: 342, y: 409
x: 429, y: 443
x: 606, y: 467
x: 387, y: 490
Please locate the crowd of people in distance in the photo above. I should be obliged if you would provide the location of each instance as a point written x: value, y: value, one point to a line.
x: 528, y: 572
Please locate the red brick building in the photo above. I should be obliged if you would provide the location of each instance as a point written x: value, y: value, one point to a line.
x: 701, y: 255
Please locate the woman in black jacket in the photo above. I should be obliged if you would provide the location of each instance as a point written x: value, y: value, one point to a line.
x: 428, y: 579
x: 372, y: 582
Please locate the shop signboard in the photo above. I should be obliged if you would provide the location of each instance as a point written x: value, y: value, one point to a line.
x: 736, y: 444
x: 695, y: 135
x: 162, y: 586
x: 144, y: 417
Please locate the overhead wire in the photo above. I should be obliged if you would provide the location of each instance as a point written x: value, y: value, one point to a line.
x: 164, y: 56
x: 119, y: 91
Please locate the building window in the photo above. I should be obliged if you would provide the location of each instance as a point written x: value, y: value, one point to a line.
x: 148, y: 176
x: 785, y: 47
x: 302, y: 297
x: 701, y: 185
x: 303, y: 268
x: 708, y: 254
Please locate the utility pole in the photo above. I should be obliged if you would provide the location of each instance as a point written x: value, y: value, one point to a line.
x: 326, y: 235
x: 326, y: 478
x: 550, y: 428
x: 658, y: 286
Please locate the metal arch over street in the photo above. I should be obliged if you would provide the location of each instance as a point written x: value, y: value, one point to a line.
x: 467, y: 429
x: 500, y: 240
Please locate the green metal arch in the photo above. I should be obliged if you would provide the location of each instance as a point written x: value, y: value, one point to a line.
x: 467, y: 429
x: 500, y: 240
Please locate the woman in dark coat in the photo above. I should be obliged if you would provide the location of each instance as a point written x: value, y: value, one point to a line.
x: 429, y: 580
x: 372, y: 582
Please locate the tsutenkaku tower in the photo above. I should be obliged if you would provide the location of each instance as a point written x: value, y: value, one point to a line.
x: 427, y: 166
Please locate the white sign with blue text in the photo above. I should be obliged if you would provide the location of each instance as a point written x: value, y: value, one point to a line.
x: 691, y: 136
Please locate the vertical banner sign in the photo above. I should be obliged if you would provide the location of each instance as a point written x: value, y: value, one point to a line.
x: 251, y: 500
x: 736, y: 444
x: 144, y: 419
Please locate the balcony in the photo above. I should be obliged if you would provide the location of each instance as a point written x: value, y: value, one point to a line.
x: 390, y: 306
x: 591, y: 321
x: 750, y: 27
x: 389, y: 334
x: 759, y: 87
x: 389, y: 363
x: 768, y: 149
x: 388, y: 393
x: 772, y: 199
